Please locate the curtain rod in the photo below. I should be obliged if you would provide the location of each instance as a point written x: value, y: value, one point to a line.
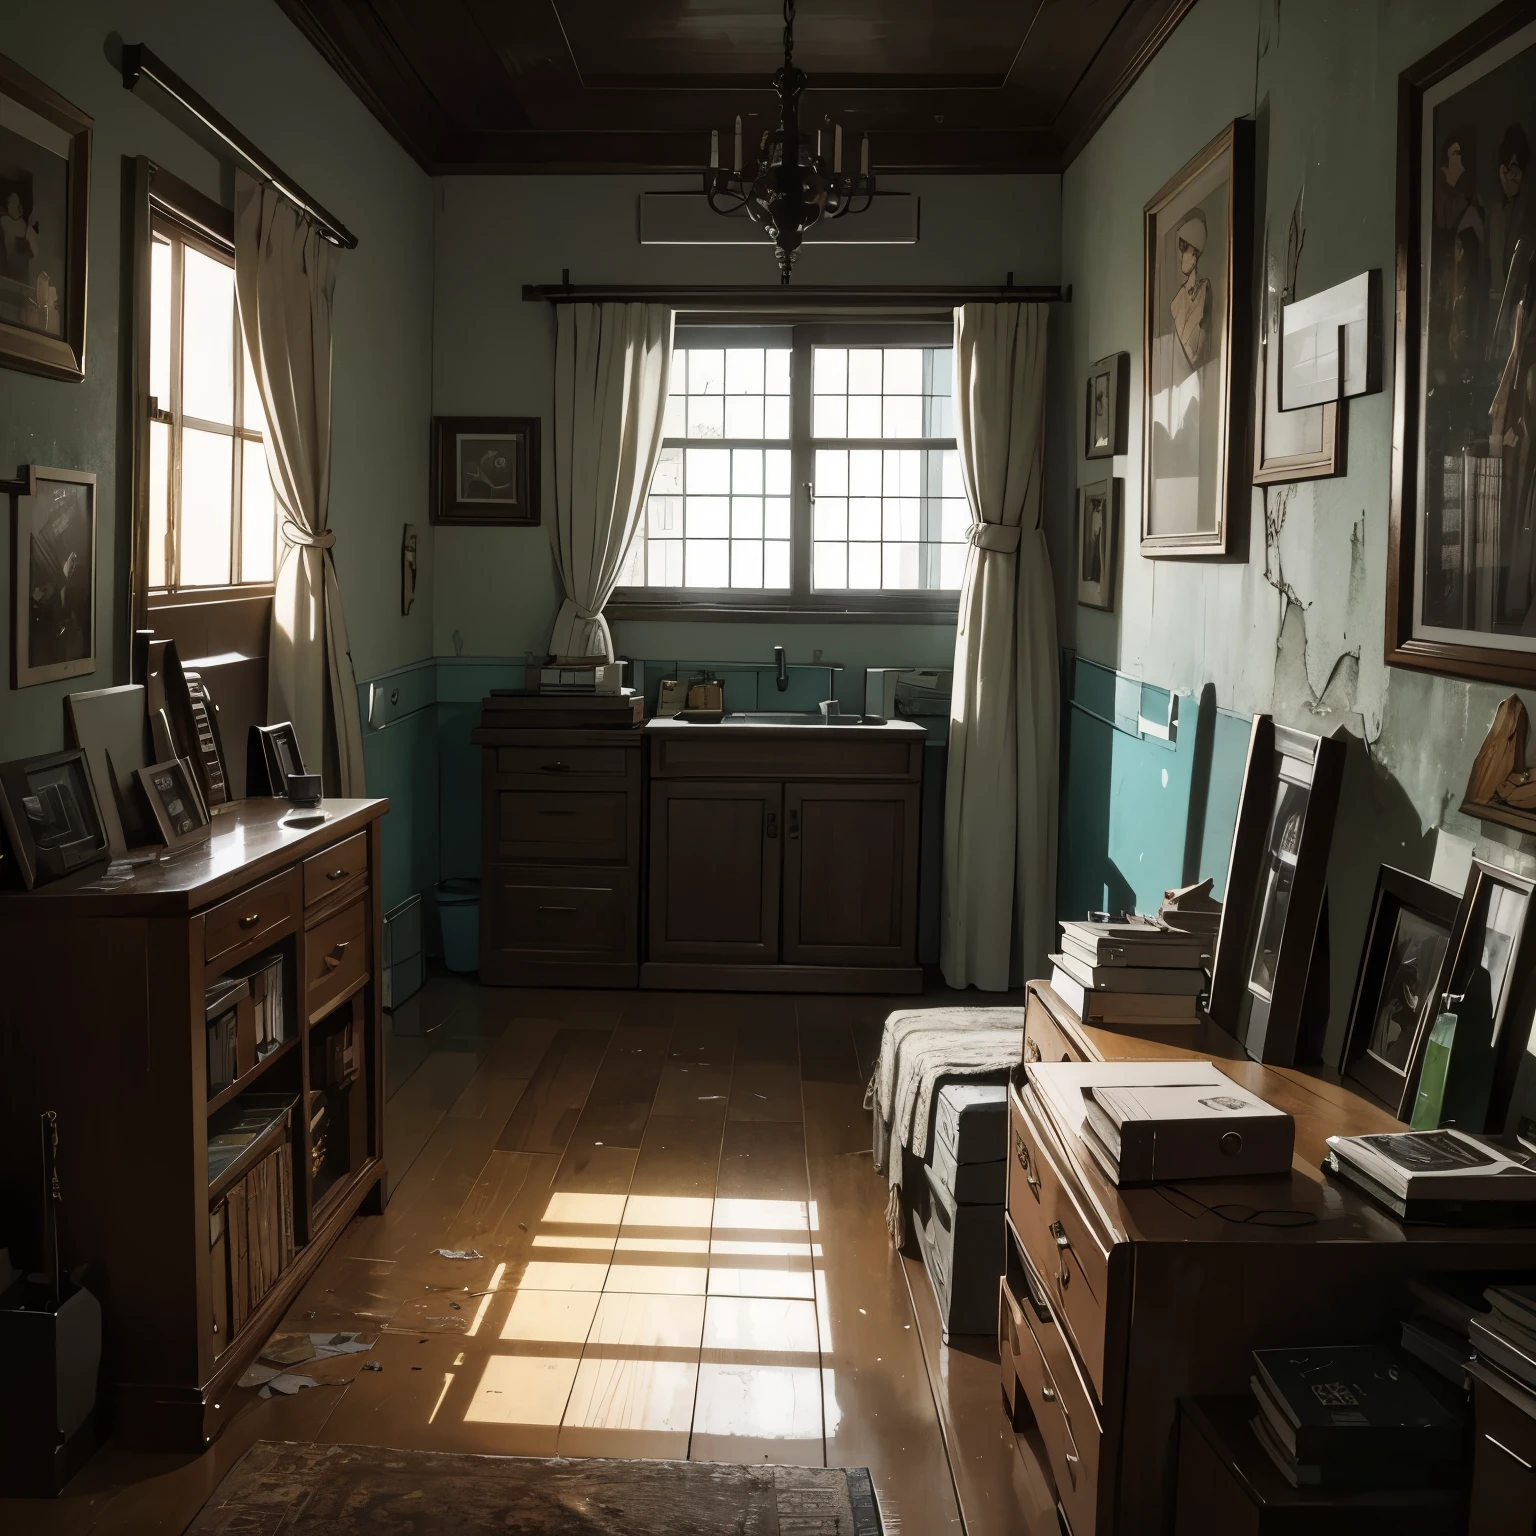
x: 149, y: 79
x: 725, y: 296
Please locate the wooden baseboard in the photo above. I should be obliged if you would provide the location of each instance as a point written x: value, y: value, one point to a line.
x: 559, y: 973
x: 163, y: 1416
x: 780, y: 978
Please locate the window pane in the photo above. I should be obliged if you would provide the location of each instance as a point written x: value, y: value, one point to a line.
x: 903, y: 370
x: 864, y: 371
x: 830, y: 374
x: 776, y: 476
x: 954, y: 520
x: 669, y: 472
x: 863, y: 416
x: 747, y: 517
x: 744, y: 371
x: 208, y: 338
x: 207, y: 475
x: 747, y: 471
x: 744, y: 416
x: 708, y: 563
x: 709, y: 471
x: 831, y: 519
x: 900, y: 567
x: 258, y: 535
x: 664, y: 517
x: 664, y: 564
x: 747, y: 563
x: 866, y: 472
x: 776, y: 416
x: 160, y: 322
x: 675, y: 422
x: 159, y: 500
x: 706, y: 418
x: 829, y: 416
x: 864, y: 517
x: 776, y: 565
x: 864, y: 566
x: 709, y: 517
x: 253, y: 416
x: 776, y: 371
x: 829, y: 565
x: 951, y: 566
x: 776, y: 517
x: 706, y: 371
x: 903, y: 416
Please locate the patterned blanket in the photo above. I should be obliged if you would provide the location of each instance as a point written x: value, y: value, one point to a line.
x: 921, y: 1049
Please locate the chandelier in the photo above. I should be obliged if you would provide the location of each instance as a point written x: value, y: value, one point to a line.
x: 791, y: 186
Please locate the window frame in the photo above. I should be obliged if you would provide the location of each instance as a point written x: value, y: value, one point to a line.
x: 802, y: 601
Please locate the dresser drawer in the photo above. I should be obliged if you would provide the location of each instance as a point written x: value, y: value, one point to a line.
x: 533, y: 914
x: 1063, y: 1411
x: 1060, y: 1239
x: 256, y: 917
x: 567, y: 764
x: 336, y: 957
x: 589, y: 826
x: 1044, y: 1038
x: 335, y: 869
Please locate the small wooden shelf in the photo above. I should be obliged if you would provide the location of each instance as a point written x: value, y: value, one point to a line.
x: 235, y: 1089
x: 252, y: 1154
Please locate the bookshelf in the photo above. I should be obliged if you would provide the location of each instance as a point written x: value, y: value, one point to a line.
x: 208, y: 1031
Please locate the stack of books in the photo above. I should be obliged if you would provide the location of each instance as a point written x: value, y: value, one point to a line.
x: 1148, y: 1122
x: 1448, y: 1177
x: 1193, y: 910
x: 1505, y: 1335
x: 1135, y: 972
x: 1352, y: 1416
x: 1438, y: 1335
x: 595, y: 676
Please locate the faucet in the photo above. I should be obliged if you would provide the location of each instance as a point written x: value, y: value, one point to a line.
x: 782, y: 679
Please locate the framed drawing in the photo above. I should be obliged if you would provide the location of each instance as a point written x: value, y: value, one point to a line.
x: 1099, y: 509
x: 53, y: 574
x: 1104, y: 434
x: 45, y: 199
x: 485, y: 470
x: 1397, y: 988
x: 51, y: 816
x: 1197, y: 351
x: 1271, y: 965
x: 1461, y: 553
x: 175, y: 803
x: 1305, y: 444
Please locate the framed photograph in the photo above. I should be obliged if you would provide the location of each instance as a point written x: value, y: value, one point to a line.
x: 1398, y: 987
x: 52, y: 820
x: 1198, y: 351
x: 175, y: 803
x: 1271, y: 965
x: 45, y: 200
x: 1461, y: 552
x: 53, y: 573
x: 485, y: 470
x: 271, y: 754
x: 111, y: 726
x: 1106, y: 390
x: 1099, y: 508
x: 1305, y: 444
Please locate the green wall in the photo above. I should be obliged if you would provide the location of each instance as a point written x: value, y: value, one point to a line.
x: 1297, y: 626
x: 252, y: 64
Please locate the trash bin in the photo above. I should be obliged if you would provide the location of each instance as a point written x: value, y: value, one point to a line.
x: 458, y: 912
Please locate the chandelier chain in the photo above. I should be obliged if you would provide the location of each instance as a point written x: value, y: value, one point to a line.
x: 789, y: 32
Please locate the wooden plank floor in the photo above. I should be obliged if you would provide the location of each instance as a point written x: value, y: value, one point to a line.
x: 682, y: 1253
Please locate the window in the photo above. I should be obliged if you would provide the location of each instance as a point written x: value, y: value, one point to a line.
x: 211, y: 512
x: 804, y: 467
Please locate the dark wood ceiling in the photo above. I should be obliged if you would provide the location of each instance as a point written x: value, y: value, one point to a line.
x: 636, y: 85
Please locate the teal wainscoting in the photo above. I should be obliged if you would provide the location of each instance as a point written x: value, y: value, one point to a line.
x: 1149, y: 789
x: 400, y: 760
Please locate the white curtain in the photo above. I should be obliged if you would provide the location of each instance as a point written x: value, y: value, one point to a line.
x: 612, y: 362
x: 285, y: 276
x: 1000, y: 806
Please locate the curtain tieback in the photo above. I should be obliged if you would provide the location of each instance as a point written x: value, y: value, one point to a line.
x: 1000, y: 538
x: 304, y: 539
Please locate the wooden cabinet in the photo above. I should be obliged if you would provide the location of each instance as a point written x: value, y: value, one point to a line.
x: 561, y: 815
x: 1117, y: 1303
x: 783, y: 859
x: 103, y: 1019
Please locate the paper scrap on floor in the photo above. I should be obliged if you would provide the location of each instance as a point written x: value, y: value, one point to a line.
x: 459, y: 1253
x: 287, y: 1385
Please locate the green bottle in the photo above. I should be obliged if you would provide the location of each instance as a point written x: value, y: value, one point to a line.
x: 1437, y: 1066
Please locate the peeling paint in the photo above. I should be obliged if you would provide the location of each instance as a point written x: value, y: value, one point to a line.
x: 1277, y: 502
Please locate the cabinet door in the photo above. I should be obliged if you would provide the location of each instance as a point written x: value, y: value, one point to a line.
x: 715, y: 866
x: 850, y: 874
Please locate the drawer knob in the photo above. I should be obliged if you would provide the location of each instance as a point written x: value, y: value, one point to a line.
x: 336, y: 874
x: 1048, y: 1393
x: 250, y: 919
x: 556, y: 768
x: 1031, y: 1050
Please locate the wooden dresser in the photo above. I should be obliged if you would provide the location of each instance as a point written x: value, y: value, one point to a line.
x: 102, y: 1019
x: 560, y: 818
x: 1117, y: 1303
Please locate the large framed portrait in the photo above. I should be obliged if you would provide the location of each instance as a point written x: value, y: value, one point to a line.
x: 1398, y: 987
x: 1197, y: 352
x: 53, y: 572
x: 1461, y: 553
x: 485, y: 470
x: 45, y: 198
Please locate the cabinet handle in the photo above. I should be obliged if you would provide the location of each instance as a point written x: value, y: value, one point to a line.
x: 336, y: 874
x: 557, y: 909
x: 793, y: 823
x: 1021, y: 1155
x: 557, y: 813
x: 1031, y: 1050
x: 1499, y: 1445
x: 1063, y: 1247
x: 250, y: 919
x: 555, y: 768
x: 333, y: 959
x: 773, y: 825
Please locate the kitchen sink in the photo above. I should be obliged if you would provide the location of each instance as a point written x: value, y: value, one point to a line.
x: 796, y: 717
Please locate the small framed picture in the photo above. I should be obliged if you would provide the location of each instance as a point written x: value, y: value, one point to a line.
x: 45, y: 204
x: 1108, y: 385
x: 485, y: 470
x: 1098, y: 521
x: 52, y: 817
x: 271, y: 754
x: 53, y: 572
x: 175, y: 803
x: 1398, y: 988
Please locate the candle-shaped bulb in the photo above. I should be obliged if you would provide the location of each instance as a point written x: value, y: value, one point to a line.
x: 837, y: 148
x: 714, y: 149
x: 736, y: 163
x: 818, y: 143
x: 864, y: 157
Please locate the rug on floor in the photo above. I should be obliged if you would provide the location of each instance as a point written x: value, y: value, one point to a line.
x: 282, y: 1489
